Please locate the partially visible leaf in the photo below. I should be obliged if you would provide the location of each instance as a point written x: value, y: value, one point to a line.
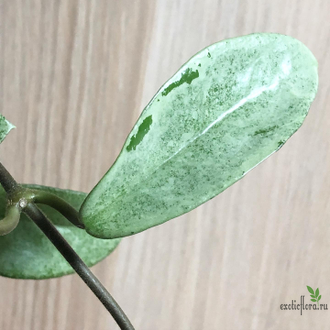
x: 5, y: 127
x: 310, y: 289
x: 313, y: 296
x: 316, y: 292
x: 27, y: 253
x: 313, y: 300
x: 319, y: 298
x: 226, y: 110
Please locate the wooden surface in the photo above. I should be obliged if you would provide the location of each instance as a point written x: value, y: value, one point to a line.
x: 74, y: 76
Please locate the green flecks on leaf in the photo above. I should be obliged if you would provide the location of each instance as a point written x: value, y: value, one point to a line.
x: 5, y: 127
x: 187, y: 77
x: 266, y: 130
x: 249, y: 98
x: 142, y: 131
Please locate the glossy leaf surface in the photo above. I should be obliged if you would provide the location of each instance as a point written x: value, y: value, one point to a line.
x: 227, y: 109
x: 27, y: 253
x: 5, y: 127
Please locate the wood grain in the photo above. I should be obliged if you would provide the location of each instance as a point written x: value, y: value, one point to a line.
x: 74, y: 76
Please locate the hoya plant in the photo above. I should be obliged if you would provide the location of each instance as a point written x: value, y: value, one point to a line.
x: 226, y: 110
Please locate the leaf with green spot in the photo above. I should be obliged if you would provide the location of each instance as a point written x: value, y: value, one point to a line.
x: 226, y: 110
x: 310, y: 289
x: 143, y: 130
x: 5, y: 127
x: 28, y: 254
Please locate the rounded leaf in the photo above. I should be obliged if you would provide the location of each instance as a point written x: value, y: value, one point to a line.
x: 27, y: 253
x: 227, y: 109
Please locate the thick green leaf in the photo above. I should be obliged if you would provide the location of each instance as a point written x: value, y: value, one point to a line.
x: 5, y: 127
x: 27, y: 253
x: 313, y: 300
x: 227, y: 109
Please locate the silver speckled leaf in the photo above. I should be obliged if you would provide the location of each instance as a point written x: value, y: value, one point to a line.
x: 5, y: 127
x: 28, y: 254
x: 227, y: 109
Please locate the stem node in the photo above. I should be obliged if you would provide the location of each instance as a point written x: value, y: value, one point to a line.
x: 21, y: 199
